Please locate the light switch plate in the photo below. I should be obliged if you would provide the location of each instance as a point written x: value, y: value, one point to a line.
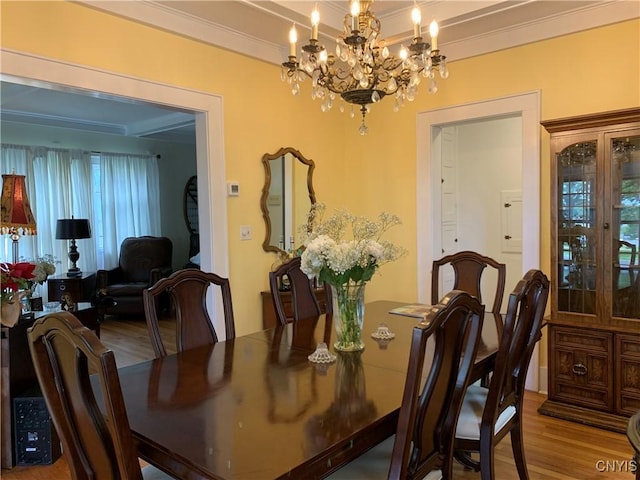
x: 245, y: 232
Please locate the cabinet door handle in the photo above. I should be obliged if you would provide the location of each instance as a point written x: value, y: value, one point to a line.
x: 63, y: 286
x: 579, y: 369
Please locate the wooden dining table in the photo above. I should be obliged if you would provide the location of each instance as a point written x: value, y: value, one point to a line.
x: 255, y: 407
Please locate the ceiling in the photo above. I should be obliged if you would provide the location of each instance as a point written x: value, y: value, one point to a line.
x: 260, y: 29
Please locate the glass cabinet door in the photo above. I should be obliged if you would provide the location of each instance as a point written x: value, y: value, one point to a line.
x: 576, y: 237
x: 625, y: 224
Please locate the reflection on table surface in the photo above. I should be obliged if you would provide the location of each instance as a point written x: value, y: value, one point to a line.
x: 255, y: 408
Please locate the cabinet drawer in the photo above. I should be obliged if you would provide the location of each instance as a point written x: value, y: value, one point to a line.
x: 57, y: 288
x: 628, y: 374
x: 79, y: 288
x: 581, y: 368
x: 583, y: 339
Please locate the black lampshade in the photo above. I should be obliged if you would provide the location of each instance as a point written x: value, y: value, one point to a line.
x: 72, y: 229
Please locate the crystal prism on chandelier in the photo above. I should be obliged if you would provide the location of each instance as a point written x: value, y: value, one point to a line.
x: 362, y: 71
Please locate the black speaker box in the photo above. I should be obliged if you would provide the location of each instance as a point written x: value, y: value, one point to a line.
x: 36, y: 440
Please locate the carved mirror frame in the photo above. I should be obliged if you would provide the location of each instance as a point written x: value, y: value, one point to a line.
x: 266, y: 159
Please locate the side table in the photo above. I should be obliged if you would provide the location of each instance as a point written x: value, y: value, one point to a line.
x: 90, y: 316
x: 80, y: 288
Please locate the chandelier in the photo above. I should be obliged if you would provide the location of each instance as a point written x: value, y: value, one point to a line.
x: 362, y: 71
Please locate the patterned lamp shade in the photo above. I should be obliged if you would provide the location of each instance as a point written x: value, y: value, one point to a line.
x: 16, y: 216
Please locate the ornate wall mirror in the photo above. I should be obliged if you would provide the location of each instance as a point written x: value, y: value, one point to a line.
x: 287, y: 196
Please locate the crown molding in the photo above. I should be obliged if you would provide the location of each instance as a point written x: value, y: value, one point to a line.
x: 586, y: 18
x: 158, y: 15
x: 575, y: 20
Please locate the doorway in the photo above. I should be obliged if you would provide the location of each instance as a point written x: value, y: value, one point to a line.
x: 212, y: 209
x: 436, y: 139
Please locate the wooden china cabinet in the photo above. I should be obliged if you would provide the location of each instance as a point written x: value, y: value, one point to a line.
x: 594, y: 329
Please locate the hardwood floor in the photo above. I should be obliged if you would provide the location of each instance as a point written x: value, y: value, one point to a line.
x: 556, y: 449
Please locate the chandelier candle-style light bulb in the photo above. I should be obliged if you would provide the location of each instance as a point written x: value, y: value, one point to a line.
x: 293, y: 38
x: 404, y: 53
x: 315, y: 21
x: 416, y: 16
x: 355, y: 12
x: 362, y: 71
x: 433, y: 31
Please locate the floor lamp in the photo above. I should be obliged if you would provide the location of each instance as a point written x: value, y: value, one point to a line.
x: 73, y: 229
x: 16, y: 218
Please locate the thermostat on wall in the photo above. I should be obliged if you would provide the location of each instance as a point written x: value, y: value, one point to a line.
x: 233, y: 189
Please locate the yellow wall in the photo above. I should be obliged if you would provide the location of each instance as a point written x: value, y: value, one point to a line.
x: 591, y: 71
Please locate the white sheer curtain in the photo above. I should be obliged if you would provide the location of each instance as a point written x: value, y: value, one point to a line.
x: 137, y: 179
x: 60, y: 185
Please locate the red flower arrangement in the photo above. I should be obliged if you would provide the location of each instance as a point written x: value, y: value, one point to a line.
x: 15, y: 277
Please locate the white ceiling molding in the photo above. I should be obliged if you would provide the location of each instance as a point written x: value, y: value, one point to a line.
x: 191, y: 26
x: 160, y: 124
x: 475, y: 28
x: 62, y: 122
x: 556, y: 26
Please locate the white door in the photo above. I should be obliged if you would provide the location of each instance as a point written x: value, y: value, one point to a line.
x: 448, y: 221
x: 511, y: 221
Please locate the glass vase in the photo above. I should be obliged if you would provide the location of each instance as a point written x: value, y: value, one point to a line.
x: 348, y: 315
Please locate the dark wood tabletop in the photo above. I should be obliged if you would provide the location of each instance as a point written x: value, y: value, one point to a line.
x: 255, y: 408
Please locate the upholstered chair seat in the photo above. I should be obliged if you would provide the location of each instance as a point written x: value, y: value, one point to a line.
x: 471, y: 413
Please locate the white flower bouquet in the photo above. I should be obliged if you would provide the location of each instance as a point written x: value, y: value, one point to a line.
x: 346, y: 248
x: 45, y: 266
x: 345, y: 251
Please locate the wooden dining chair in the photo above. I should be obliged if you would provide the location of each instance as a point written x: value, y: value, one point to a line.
x: 303, y: 299
x: 489, y: 414
x: 187, y: 290
x: 423, y: 443
x: 468, y: 268
x: 92, y: 425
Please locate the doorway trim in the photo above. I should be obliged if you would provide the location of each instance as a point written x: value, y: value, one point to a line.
x: 28, y: 69
x: 527, y: 106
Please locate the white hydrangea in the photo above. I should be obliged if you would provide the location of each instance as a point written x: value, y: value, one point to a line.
x: 332, y: 258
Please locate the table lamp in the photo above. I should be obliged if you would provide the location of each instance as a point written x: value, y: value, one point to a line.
x: 16, y: 218
x: 72, y: 229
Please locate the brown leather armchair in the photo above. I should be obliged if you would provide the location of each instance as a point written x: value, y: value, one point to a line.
x: 143, y: 261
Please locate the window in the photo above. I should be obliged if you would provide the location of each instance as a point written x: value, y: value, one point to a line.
x: 118, y: 193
